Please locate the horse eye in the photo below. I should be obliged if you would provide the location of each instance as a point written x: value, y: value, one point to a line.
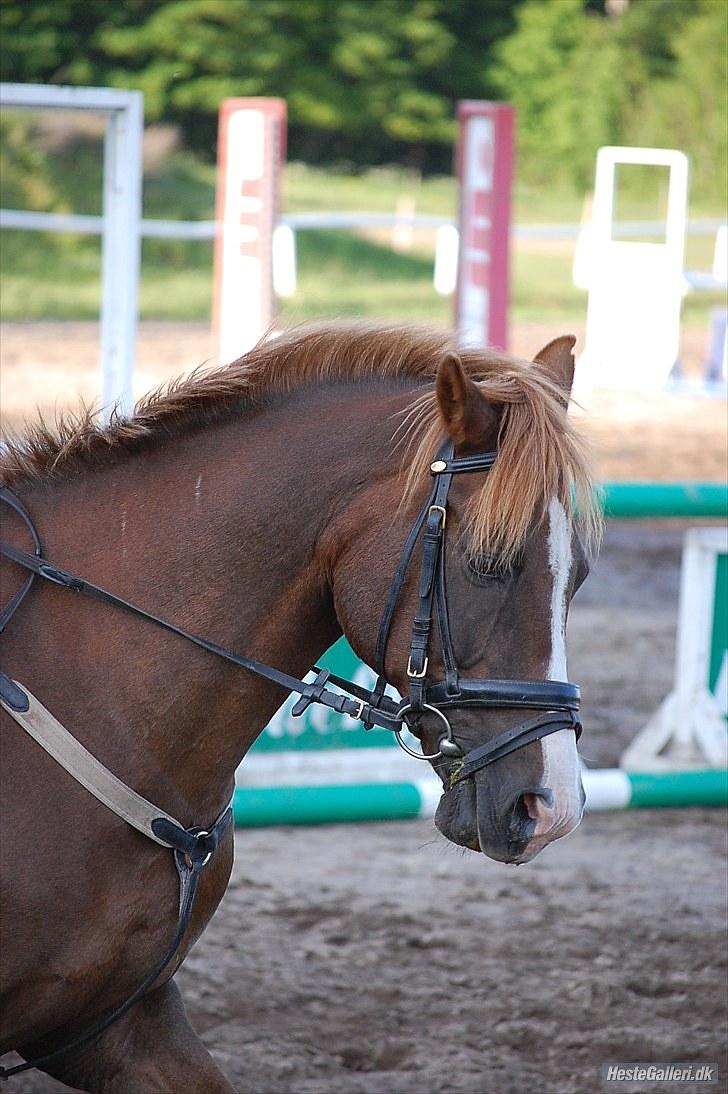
x: 484, y: 567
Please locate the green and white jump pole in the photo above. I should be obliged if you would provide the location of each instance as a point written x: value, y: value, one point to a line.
x: 259, y: 807
x: 612, y: 788
x: 656, y: 500
x: 345, y: 803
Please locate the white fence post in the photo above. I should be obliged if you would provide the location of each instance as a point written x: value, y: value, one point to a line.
x: 121, y: 221
x: 121, y: 252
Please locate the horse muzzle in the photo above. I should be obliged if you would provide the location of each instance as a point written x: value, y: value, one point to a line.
x: 512, y: 809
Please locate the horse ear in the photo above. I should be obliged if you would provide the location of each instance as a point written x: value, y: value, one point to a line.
x: 467, y: 414
x: 557, y: 361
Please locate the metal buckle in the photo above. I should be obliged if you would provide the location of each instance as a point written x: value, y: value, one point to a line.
x: 188, y: 858
x: 438, y: 467
x: 417, y: 675
x: 358, y: 716
x: 439, y: 509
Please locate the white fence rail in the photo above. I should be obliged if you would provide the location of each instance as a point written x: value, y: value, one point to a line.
x: 284, y: 265
x: 205, y: 229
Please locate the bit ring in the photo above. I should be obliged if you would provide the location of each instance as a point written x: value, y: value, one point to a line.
x: 447, y: 736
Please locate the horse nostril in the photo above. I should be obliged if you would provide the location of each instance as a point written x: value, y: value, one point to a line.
x: 538, y: 803
x: 521, y: 824
x: 539, y: 808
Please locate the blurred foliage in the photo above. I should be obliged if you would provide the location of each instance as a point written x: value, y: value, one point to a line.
x: 655, y: 76
x: 366, y: 81
x: 375, y: 81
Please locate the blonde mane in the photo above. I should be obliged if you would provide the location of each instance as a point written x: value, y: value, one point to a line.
x: 540, y: 454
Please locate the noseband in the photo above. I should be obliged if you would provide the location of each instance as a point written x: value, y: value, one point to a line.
x: 557, y: 702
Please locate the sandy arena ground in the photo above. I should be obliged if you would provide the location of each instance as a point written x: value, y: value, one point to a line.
x: 378, y: 959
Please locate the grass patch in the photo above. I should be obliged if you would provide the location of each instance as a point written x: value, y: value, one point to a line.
x: 340, y: 274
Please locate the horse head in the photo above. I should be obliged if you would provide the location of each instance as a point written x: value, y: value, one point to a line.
x: 512, y: 561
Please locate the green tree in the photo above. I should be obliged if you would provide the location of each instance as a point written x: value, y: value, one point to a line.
x: 365, y: 80
x: 688, y: 107
x: 532, y: 68
x: 55, y: 41
x: 655, y: 75
x: 376, y: 81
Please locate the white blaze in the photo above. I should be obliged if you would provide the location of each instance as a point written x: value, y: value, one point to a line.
x: 560, y: 560
x: 561, y: 771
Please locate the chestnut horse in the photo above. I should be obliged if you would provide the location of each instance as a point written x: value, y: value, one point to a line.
x: 263, y: 505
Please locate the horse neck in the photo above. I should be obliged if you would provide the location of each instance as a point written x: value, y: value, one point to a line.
x: 216, y: 530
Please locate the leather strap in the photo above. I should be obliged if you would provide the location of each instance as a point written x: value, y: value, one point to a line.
x: 533, y: 694
x: 190, y: 864
x: 417, y: 664
x: 393, y: 595
x: 39, y: 723
x: 443, y: 624
x: 192, y: 847
x: 510, y: 741
x: 483, y: 461
x: 432, y: 518
x: 9, y: 609
x: 367, y: 712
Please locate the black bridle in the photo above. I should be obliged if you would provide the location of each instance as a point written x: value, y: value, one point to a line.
x: 557, y: 702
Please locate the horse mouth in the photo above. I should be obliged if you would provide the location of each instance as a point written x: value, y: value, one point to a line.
x: 455, y: 817
x: 508, y: 835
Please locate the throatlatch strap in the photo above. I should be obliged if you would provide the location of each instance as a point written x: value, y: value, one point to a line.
x: 368, y: 712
